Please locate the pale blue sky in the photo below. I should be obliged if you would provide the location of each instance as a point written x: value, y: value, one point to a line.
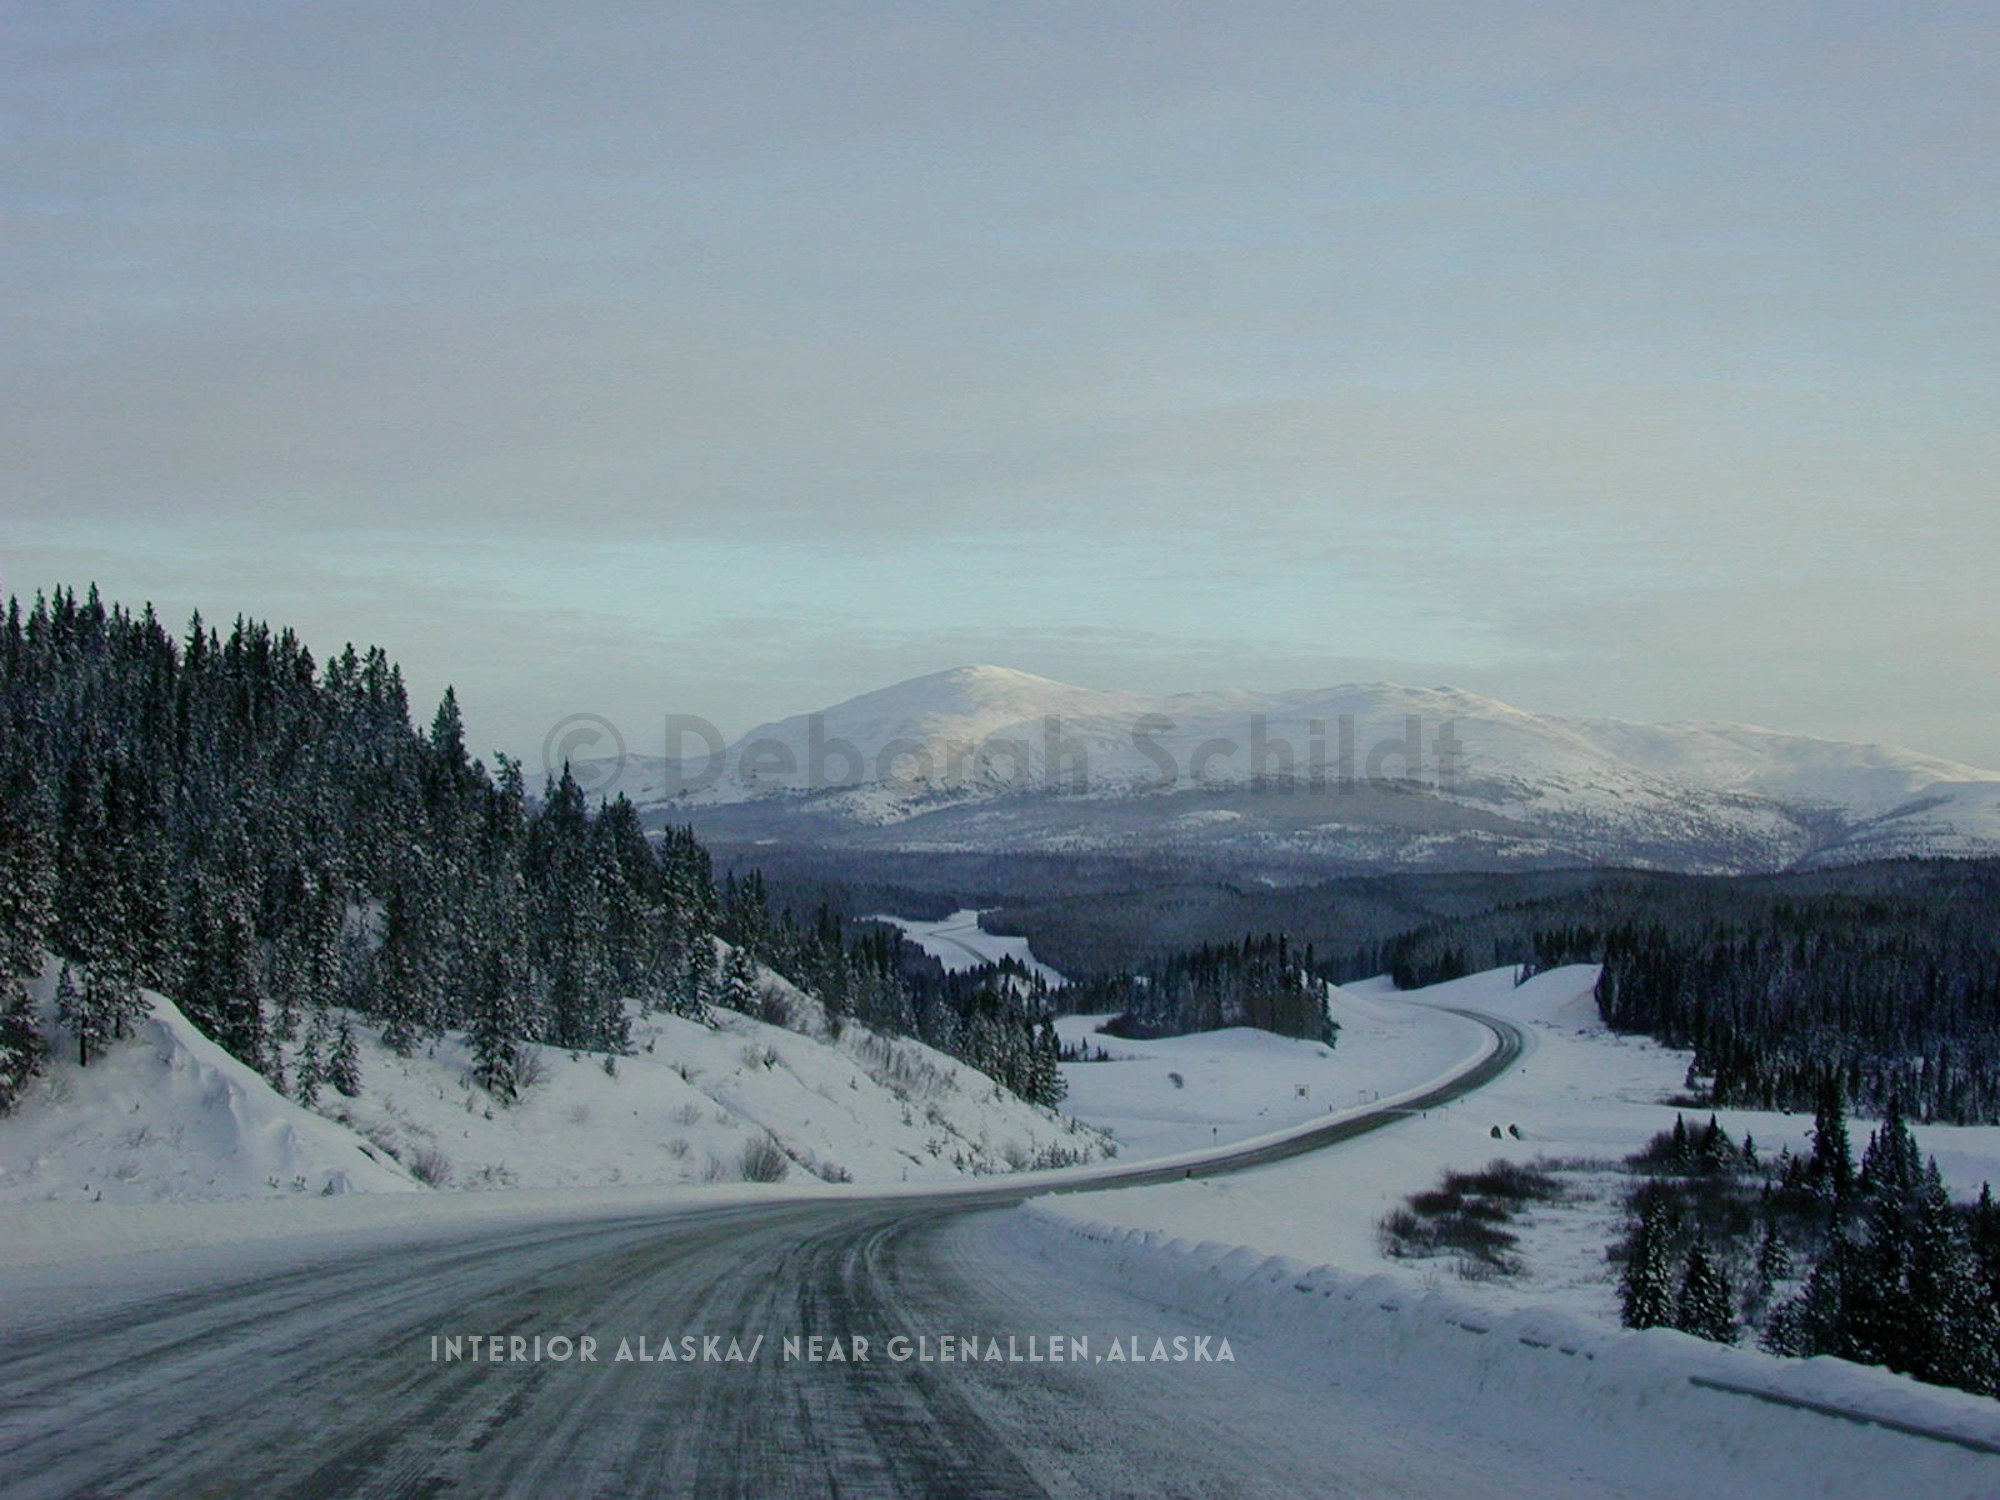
x: 732, y: 359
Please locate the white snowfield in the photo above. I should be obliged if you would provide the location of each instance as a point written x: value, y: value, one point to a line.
x: 1182, y: 1094
x: 1188, y: 1093
x: 167, y: 1114
x: 959, y: 943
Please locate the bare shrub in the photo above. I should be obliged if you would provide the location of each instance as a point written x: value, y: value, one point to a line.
x: 1398, y: 1232
x: 687, y: 1114
x: 774, y: 1007
x: 531, y: 1068
x: 763, y: 1160
x: 903, y: 1071
x: 1053, y: 1156
x: 1510, y: 1181
x: 429, y: 1166
x: 1463, y: 1215
x: 1407, y: 1235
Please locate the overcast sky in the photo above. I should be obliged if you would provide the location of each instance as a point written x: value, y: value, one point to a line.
x: 733, y: 359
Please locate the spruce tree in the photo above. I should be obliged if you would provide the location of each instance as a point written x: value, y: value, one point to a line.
x: 1813, y: 1321
x: 496, y: 1026
x: 1873, y: 1325
x: 1957, y: 1335
x: 1890, y: 1167
x: 1646, y: 1289
x: 344, y: 1070
x: 1985, y: 1235
x: 1045, y: 1085
x: 1706, y: 1307
x: 739, y: 981
x: 96, y: 1012
x: 309, y: 1072
x: 1774, y: 1260
x: 21, y: 1048
x: 1714, y: 1149
x: 1832, y: 1162
x: 27, y: 880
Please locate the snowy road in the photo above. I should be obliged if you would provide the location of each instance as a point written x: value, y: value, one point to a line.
x: 319, y: 1379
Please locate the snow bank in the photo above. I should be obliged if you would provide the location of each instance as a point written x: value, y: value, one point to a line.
x: 165, y: 1113
x: 1723, y: 1421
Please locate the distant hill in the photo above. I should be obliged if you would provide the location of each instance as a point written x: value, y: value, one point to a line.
x: 1371, y: 776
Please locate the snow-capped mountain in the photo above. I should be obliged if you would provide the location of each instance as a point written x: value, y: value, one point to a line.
x: 1367, y: 775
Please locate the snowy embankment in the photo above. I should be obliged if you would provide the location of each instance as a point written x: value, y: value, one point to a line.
x: 166, y: 1115
x: 690, y: 1098
x: 1725, y: 1422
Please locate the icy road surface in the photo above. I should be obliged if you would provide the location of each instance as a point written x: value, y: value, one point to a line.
x: 314, y: 1375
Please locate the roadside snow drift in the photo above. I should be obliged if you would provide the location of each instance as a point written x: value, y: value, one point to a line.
x: 1639, y: 1407
x: 167, y: 1114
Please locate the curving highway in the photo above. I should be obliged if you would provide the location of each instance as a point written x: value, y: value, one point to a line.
x: 321, y: 1378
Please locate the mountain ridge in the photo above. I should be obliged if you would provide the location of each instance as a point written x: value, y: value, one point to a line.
x: 1357, y: 775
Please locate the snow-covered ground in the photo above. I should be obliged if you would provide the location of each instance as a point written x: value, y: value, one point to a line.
x: 1190, y: 1093
x: 165, y: 1114
x: 691, y: 1097
x: 1289, y: 1252
x: 1282, y: 1258
x: 1185, y: 1093
x: 1647, y: 1413
x: 960, y: 943
x: 1581, y: 1092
